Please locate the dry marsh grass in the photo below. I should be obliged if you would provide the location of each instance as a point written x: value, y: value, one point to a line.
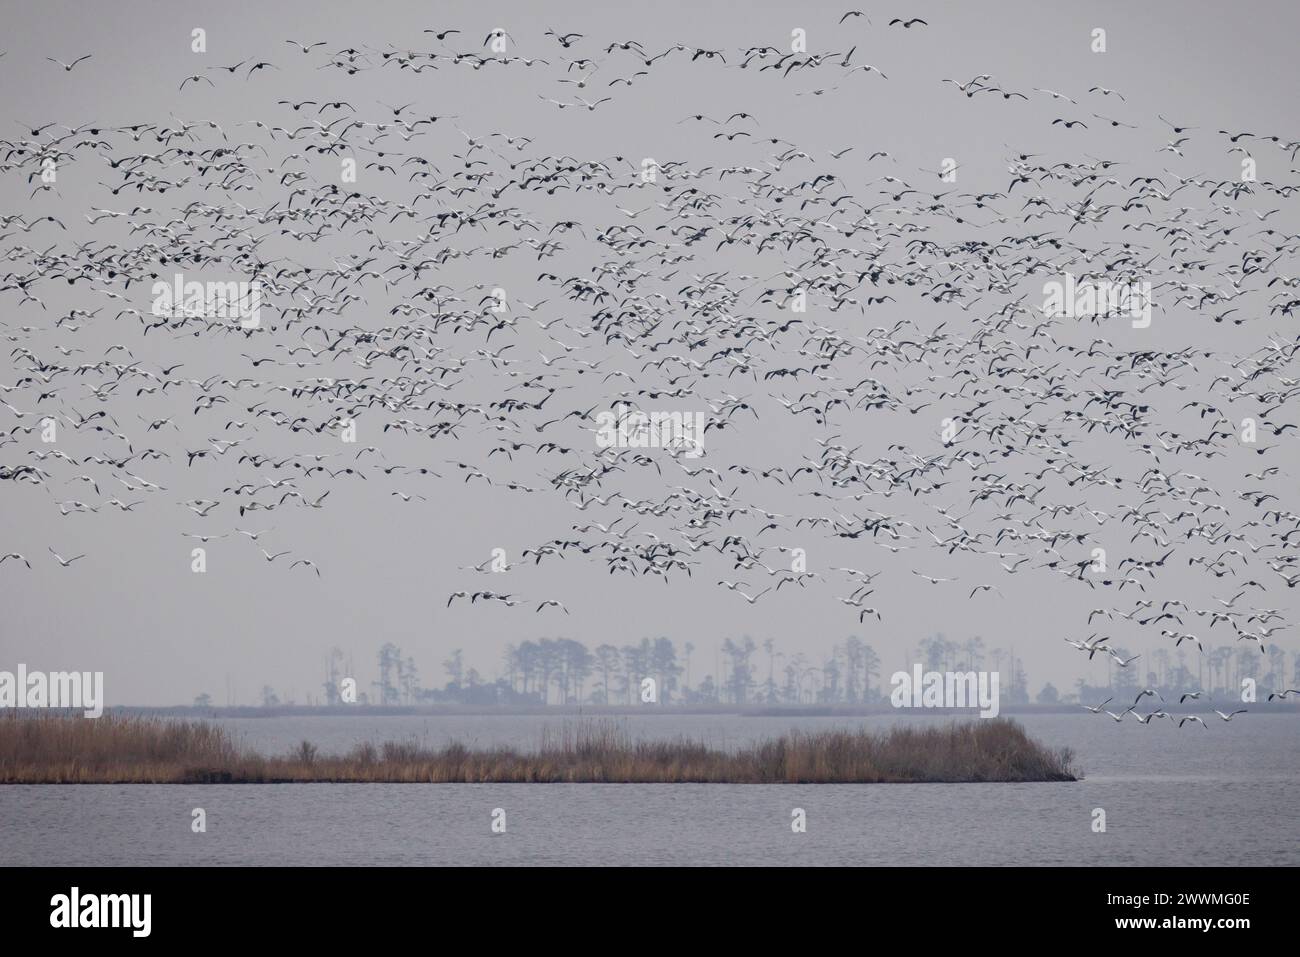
x: 127, y: 749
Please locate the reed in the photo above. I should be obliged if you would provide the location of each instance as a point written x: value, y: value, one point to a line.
x: 131, y: 749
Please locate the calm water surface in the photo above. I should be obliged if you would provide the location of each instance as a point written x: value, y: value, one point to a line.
x: 1226, y: 795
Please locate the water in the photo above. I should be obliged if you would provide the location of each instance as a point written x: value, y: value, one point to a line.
x: 1225, y: 795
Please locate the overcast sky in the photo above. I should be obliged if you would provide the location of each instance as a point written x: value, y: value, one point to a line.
x: 133, y: 608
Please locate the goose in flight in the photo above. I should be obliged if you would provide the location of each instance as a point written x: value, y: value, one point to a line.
x: 931, y: 580
x: 1092, y: 645
x: 1230, y: 714
x: 1147, y: 692
x: 67, y: 67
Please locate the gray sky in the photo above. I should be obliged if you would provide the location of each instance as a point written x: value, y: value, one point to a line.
x: 133, y: 608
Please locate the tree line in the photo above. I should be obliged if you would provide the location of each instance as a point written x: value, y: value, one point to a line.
x: 745, y: 673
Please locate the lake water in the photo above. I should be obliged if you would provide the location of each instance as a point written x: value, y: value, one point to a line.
x: 1225, y: 795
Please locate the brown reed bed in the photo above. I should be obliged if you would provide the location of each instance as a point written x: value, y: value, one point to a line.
x: 131, y: 749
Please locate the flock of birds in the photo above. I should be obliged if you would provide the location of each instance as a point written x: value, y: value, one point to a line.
x: 676, y: 290
x: 1182, y: 699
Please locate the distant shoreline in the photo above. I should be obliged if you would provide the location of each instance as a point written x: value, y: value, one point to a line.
x: 613, y: 711
x: 132, y: 749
